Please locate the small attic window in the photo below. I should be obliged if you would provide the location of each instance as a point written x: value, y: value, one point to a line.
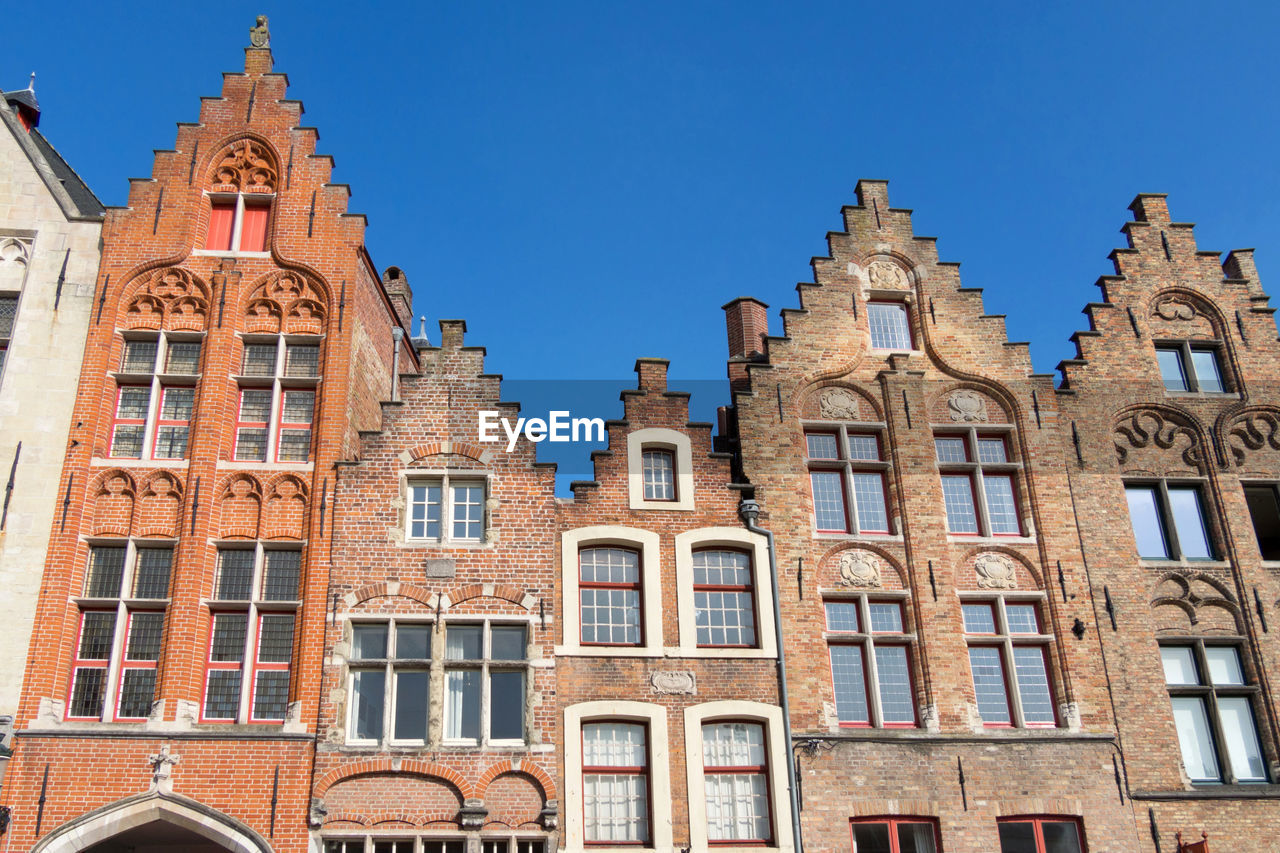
x: 238, y: 223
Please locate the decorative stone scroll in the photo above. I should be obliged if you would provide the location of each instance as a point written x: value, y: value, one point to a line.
x: 966, y: 406
x: 1149, y: 428
x: 1256, y: 430
x: 995, y: 571
x: 839, y: 404
x: 860, y: 569
x: 886, y: 275
x: 1174, y: 309
x: 678, y: 682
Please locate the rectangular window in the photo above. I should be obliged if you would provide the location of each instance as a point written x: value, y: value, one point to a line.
x: 1264, y: 511
x: 151, y: 573
x: 174, y: 424
x: 1041, y: 835
x: 957, y: 497
x: 182, y: 358
x: 485, y: 677
x: 890, y: 325
x: 724, y: 599
x: 1169, y: 521
x: 238, y: 223
x: 106, y: 571
x: 828, y: 501
x: 979, y: 497
x: 89, y: 670
x: 659, y: 468
x: 1008, y: 659
x: 858, y: 474
x: 226, y: 663
x: 862, y: 660
x: 251, y: 425
x: 139, y: 356
x: 296, y: 413
x: 271, y: 667
x: 736, y: 778
x: 280, y: 574
x: 222, y: 218
x: 132, y: 405
x: 259, y: 359
x: 253, y: 226
x: 1213, y: 713
x: 1190, y: 368
x: 615, y: 784
x: 138, y: 671
x: 895, y: 835
x: 8, y: 313
x: 302, y: 361
x: 609, y: 592
x: 431, y: 501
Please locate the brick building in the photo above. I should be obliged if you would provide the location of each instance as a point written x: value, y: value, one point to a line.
x: 667, y: 678
x: 239, y: 340
x: 437, y: 717
x: 913, y: 471
x: 50, y: 222
x: 1172, y: 449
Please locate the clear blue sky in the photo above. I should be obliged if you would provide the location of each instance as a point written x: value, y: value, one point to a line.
x: 587, y: 182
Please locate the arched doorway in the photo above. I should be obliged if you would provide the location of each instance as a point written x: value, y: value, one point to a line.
x: 150, y: 823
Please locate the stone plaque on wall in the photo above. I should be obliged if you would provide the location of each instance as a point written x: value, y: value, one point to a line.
x: 445, y: 568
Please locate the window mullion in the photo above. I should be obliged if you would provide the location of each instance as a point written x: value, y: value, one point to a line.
x: 238, y: 223
x: 850, y: 496
x: 1189, y: 367
x: 1171, y: 529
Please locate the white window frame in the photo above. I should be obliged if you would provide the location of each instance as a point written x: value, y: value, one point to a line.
x: 157, y: 380
x: 446, y: 480
x: 682, y: 453
x: 485, y: 666
x: 660, y: 793
x: 733, y: 538
x: 390, y: 667
x: 644, y: 541
x: 908, y: 310
x: 278, y: 383
x: 770, y: 717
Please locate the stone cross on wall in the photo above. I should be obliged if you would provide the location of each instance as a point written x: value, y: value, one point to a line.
x: 162, y: 763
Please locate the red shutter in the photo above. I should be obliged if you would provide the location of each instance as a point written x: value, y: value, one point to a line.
x: 253, y: 228
x: 221, y: 220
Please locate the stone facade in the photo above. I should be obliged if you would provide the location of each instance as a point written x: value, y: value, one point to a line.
x: 49, y: 229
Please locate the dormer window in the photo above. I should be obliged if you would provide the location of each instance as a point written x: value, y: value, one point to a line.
x: 1190, y: 368
x: 238, y: 222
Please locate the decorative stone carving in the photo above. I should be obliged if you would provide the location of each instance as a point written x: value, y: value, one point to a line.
x: 929, y: 720
x: 472, y: 815
x: 169, y: 298
x: 1069, y: 712
x: 1189, y: 592
x: 995, y: 571
x: 162, y: 764
x: 550, y: 815
x: 839, y: 404
x: 860, y: 569
x: 259, y: 35
x: 887, y: 275
x: 288, y: 302
x: 1174, y: 309
x: 248, y: 166
x: 317, y: 813
x: 1151, y: 429
x: 1253, y: 431
x: 674, y: 682
x: 966, y: 406
x: 15, y: 255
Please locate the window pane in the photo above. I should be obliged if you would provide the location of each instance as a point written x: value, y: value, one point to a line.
x: 957, y: 496
x: 659, y: 475
x: 1002, y: 509
x: 145, y: 632
x: 369, y: 689
x: 828, y: 500
x: 468, y: 508
x: 282, y: 570
x: 721, y: 568
x: 259, y: 359
x: 733, y: 745
x: 97, y: 632
x: 1265, y: 513
x: 298, y: 407
x: 1205, y: 364
x: 424, y: 512
x: 868, y: 497
x: 1033, y: 685
x: 87, y: 688
x: 724, y: 618
x: 271, y: 695
x: 842, y: 616
x: 1241, y: 738
x: 1018, y: 837
x: 916, y: 838
x: 251, y: 445
x: 139, y: 357
x: 137, y: 691
x: 463, y: 642
x: 951, y: 449
x: 1192, y: 722
x: 893, y: 677
x: 222, y: 697
x: 1022, y: 618
x: 609, y: 565
x: 507, y: 642
x: 886, y: 617
x: 106, y: 571
x: 134, y: 402
x: 864, y: 448
x: 823, y: 445
x: 1224, y: 665
x: 235, y: 575
x: 506, y: 705
x: 8, y: 310
x: 413, y: 642
x: 183, y: 358
x: 872, y: 838
x: 850, y: 682
x: 615, y: 807
x: 275, y: 639
x: 1170, y: 361
x: 610, y: 616
x: 613, y: 745
x: 1188, y: 521
x: 979, y: 618
x: 127, y: 441
x: 1144, y: 515
x: 171, y: 442
x: 411, y: 705
x: 988, y: 684
x: 737, y: 806
x: 295, y: 445
x: 302, y: 360
x: 253, y: 227
x: 177, y: 403
x: 255, y: 405
x: 1060, y: 836
x: 1179, y: 665
x: 222, y: 217
x: 888, y: 323
x: 462, y: 704
x: 229, y: 631
x: 992, y: 451
x: 368, y: 642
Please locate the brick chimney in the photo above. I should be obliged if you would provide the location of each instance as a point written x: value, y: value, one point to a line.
x: 397, y: 287
x: 747, y: 323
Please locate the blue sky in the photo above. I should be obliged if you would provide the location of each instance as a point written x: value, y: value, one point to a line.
x: 588, y: 182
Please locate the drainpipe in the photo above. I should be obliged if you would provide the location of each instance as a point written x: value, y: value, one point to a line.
x: 397, y: 335
x: 749, y: 511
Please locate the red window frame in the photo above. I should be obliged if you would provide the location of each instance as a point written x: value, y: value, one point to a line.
x: 747, y: 588
x: 973, y: 500
x: 117, y: 421
x: 844, y: 499
x: 282, y: 424
x: 222, y: 225
x: 906, y: 312
x: 1016, y: 497
x: 743, y: 770
x: 260, y: 665
x: 78, y: 663
x: 162, y: 422
x: 675, y: 480
x: 857, y: 639
x: 242, y: 424
x: 866, y: 680
x: 1038, y: 821
x: 638, y: 586
x: 617, y: 770
x: 127, y: 663
x: 212, y: 666
x: 893, y: 821
x: 996, y: 639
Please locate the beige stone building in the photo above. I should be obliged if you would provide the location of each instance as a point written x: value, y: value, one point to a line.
x: 50, y: 223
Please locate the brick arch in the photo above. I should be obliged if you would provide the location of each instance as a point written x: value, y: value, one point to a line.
x: 409, y: 767
x: 165, y: 297
x: 289, y: 301
x: 160, y: 505
x: 446, y: 448
x: 420, y: 594
x: 526, y: 768
x: 829, y: 563
x: 506, y: 592
x: 284, y: 507
x: 995, y: 407
x: 1154, y: 428
x: 246, y: 162
x: 1179, y: 307
x: 1020, y: 562
x: 114, y: 493
x: 239, y: 506
x: 814, y: 402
